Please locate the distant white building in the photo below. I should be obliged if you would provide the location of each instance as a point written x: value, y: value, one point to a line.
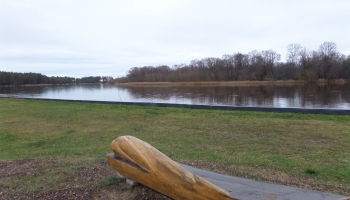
x: 106, y: 79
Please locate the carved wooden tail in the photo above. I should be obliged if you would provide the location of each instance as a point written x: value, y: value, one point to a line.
x: 141, y: 162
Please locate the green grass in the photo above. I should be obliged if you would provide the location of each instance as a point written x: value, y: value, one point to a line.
x: 308, y: 144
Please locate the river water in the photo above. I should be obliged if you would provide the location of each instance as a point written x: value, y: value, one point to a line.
x: 279, y: 96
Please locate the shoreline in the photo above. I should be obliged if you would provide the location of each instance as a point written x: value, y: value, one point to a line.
x: 294, y: 110
x: 232, y: 83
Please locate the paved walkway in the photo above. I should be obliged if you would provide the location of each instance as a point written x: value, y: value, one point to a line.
x: 246, y: 189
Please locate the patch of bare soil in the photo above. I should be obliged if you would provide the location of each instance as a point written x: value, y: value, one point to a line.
x: 22, y: 167
x: 98, y: 182
x: 272, y: 176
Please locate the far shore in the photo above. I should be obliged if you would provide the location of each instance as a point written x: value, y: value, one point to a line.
x: 31, y: 85
x: 230, y: 83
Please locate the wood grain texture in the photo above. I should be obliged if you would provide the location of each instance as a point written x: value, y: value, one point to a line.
x: 141, y: 162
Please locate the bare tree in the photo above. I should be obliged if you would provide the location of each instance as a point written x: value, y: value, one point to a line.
x: 328, y: 54
x: 228, y: 61
x: 328, y: 50
x: 256, y: 65
x: 270, y: 58
x: 293, y: 53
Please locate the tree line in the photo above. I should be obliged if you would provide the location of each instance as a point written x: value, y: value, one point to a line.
x: 15, y: 78
x: 301, y: 64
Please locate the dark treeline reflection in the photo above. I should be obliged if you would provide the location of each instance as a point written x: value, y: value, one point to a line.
x: 33, y: 90
x: 309, y: 95
x: 39, y: 90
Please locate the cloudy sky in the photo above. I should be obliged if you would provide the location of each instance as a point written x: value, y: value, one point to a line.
x: 106, y: 38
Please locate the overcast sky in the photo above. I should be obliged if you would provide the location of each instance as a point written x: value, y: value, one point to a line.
x: 106, y: 38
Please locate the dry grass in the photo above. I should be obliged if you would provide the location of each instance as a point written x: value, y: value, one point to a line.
x: 230, y: 83
x: 211, y: 83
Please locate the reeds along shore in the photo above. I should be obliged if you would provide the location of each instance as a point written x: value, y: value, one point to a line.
x: 203, y: 83
x: 232, y: 83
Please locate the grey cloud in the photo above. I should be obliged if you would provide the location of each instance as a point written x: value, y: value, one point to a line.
x: 77, y: 37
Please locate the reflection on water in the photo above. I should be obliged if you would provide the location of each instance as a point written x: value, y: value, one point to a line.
x: 308, y: 96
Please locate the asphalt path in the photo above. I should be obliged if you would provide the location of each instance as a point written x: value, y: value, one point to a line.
x: 327, y: 111
x: 246, y: 189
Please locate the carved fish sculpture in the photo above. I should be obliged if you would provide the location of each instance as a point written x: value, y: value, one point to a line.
x: 139, y: 161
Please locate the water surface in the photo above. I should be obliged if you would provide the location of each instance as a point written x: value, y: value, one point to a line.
x: 280, y: 96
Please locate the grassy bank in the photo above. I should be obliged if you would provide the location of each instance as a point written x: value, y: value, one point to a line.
x: 310, y: 151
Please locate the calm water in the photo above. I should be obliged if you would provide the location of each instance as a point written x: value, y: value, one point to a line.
x: 307, y: 96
